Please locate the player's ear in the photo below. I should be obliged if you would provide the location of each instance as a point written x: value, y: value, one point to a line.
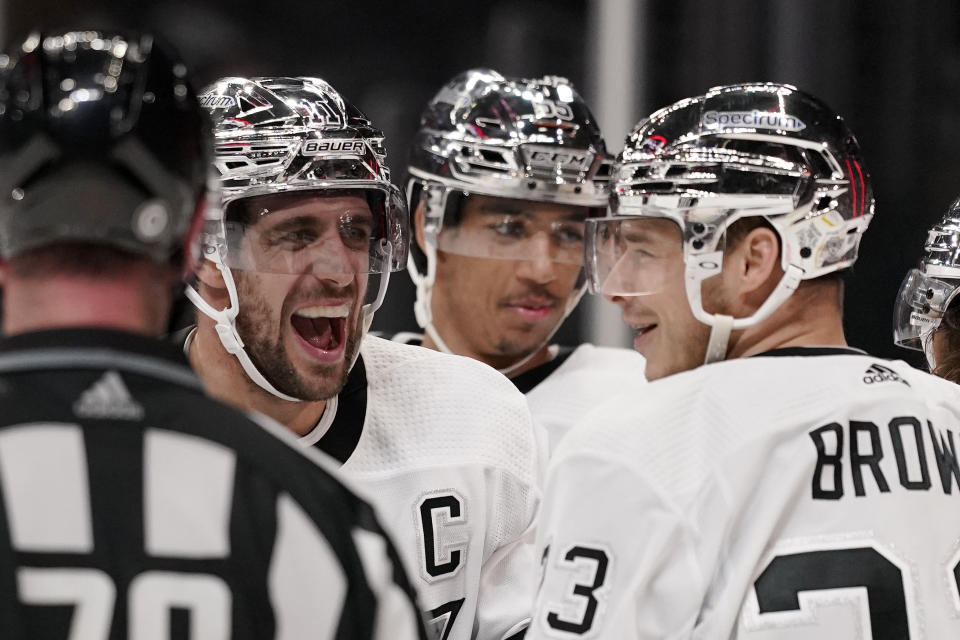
x: 209, y: 275
x: 755, y: 262
x: 418, y: 221
x: 192, y: 250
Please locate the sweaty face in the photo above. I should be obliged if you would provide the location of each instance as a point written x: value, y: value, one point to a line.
x: 504, y: 275
x: 301, y: 301
x: 650, y: 264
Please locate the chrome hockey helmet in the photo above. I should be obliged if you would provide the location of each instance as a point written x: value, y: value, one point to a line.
x: 278, y: 139
x: 766, y: 150
x: 928, y: 290
x: 517, y: 138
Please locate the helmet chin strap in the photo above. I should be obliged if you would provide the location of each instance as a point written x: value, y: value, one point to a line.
x: 721, y: 326
x: 226, y: 325
x: 720, y: 330
x: 424, y: 282
x: 424, y: 313
x: 927, y: 342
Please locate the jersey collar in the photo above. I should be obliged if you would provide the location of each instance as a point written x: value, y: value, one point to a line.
x: 810, y: 351
x: 527, y: 380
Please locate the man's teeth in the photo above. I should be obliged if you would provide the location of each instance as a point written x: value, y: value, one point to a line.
x: 340, y: 311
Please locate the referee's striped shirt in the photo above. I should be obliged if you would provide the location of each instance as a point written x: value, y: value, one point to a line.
x: 132, y: 506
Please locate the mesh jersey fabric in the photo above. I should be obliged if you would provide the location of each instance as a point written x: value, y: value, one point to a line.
x: 768, y: 498
x: 588, y: 377
x: 450, y: 458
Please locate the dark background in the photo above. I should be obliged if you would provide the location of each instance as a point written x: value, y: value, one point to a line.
x: 889, y: 67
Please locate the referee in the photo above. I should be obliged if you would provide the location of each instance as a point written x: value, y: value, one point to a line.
x: 132, y: 506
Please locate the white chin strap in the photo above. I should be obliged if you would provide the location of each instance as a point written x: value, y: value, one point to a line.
x: 226, y: 326
x: 424, y: 313
x: 226, y: 323
x: 721, y: 326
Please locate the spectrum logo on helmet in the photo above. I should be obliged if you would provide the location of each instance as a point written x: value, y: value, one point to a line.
x: 215, y: 101
x: 755, y: 118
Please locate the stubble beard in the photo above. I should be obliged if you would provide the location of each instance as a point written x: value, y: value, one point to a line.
x: 268, y: 355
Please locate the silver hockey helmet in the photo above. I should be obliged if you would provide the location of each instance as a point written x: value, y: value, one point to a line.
x: 749, y: 150
x: 928, y: 291
x: 279, y: 140
x: 513, y: 138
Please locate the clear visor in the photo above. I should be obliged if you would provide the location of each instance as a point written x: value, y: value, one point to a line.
x: 920, y: 307
x: 331, y: 231
x: 632, y: 256
x: 508, y: 229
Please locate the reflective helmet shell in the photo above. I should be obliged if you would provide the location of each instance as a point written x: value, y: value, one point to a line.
x: 276, y: 135
x: 928, y: 290
x: 102, y: 140
x: 766, y: 150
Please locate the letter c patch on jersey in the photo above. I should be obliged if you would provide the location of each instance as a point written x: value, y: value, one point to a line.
x: 441, y: 516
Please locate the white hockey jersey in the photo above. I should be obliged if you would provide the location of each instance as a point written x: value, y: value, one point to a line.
x: 445, y: 449
x: 575, y: 383
x: 561, y: 392
x: 802, y: 493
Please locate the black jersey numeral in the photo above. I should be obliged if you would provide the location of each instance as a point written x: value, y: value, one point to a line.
x: 442, y: 618
x: 433, y: 510
x: 601, y: 562
x: 781, y: 582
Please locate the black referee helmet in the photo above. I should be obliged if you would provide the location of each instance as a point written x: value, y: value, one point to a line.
x: 102, y: 141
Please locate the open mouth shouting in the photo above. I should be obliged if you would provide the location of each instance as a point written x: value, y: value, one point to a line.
x: 321, y: 330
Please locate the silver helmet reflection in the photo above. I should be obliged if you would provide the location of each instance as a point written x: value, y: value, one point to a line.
x: 928, y: 290
x: 739, y: 151
x: 278, y: 139
x: 514, y: 138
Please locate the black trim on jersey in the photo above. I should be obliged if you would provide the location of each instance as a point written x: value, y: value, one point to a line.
x: 810, y: 351
x: 343, y: 436
x: 527, y: 380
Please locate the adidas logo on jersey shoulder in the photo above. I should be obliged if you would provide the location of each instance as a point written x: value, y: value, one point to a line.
x: 877, y: 373
x: 108, y: 399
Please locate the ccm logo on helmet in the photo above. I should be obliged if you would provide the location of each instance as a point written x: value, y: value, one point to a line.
x: 214, y: 101
x: 315, y: 147
x: 755, y: 118
x: 559, y: 158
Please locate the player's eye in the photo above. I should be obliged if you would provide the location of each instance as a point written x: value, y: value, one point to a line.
x: 355, y: 232
x: 509, y: 229
x: 568, y: 234
x: 292, y: 239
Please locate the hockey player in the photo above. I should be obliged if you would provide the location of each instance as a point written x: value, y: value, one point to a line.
x: 297, y: 263
x: 132, y: 505
x: 503, y: 174
x: 771, y: 483
x: 925, y: 317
